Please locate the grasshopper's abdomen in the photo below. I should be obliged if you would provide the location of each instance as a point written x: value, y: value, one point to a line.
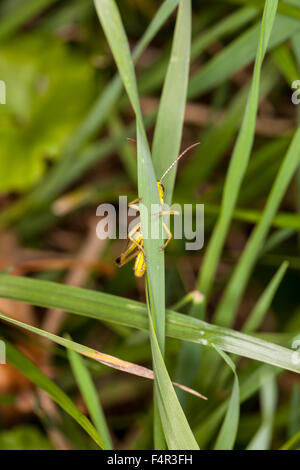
x: 140, y: 265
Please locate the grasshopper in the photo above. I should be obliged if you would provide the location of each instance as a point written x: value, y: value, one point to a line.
x: 135, y: 247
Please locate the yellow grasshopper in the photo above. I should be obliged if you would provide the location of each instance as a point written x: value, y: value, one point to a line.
x: 135, y: 248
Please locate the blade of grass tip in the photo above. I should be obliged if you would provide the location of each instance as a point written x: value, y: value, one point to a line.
x: 237, y: 284
x: 227, y: 435
x: 20, y: 14
x: 261, y: 307
x: 33, y: 373
x: 239, y: 159
x: 151, y: 80
x: 268, y: 398
x: 171, y: 109
x: 90, y: 396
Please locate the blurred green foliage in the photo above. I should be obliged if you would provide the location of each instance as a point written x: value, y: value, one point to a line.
x: 49, y: 87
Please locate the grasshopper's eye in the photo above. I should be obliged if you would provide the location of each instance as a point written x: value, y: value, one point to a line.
x: 162, y: 187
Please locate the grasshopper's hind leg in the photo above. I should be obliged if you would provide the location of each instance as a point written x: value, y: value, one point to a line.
x: 170, y: 236
x: 139, y: 242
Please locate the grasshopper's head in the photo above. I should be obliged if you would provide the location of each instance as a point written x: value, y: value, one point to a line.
x: 161, y: 192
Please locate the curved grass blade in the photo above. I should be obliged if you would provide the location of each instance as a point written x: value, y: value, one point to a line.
x: 113, y: 309
x: 30, y: 370
x: 268, y: 397
x: 250, y: 384
x: 90, y: 396
x: 239, y: 159
x: 228, y: 431
x: 105, y: 359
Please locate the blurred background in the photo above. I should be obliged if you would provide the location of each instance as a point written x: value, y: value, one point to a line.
x: 62, y: 154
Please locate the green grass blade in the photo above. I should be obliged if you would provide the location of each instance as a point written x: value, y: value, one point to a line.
x: 268, y: 398
x: 237, y: 284
x: 112, y: 309
x: 113, y: 28
x: 177, y: 432
x: 168, y: 400
x: 229, y: 25
x: 238, y: 54
x: 219, y: 138
x: 281, y: 220
x: 294, y: 419
x: 228, y: 431
x: 239, y: 159
x: 292, y: 442
x: 286, y: 63
x: 95, y: 119
x: 172, y: 104
x: 20, y: 14
x: 250, y: 384
x: 33, y: 373
x: 112, y: 25
x: 283, y: 7
x: 162, y: 14
x: 90, y: 396
x: 263, y: 304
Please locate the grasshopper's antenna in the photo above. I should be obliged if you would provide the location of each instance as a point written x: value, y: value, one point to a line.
x: 178, y: 158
